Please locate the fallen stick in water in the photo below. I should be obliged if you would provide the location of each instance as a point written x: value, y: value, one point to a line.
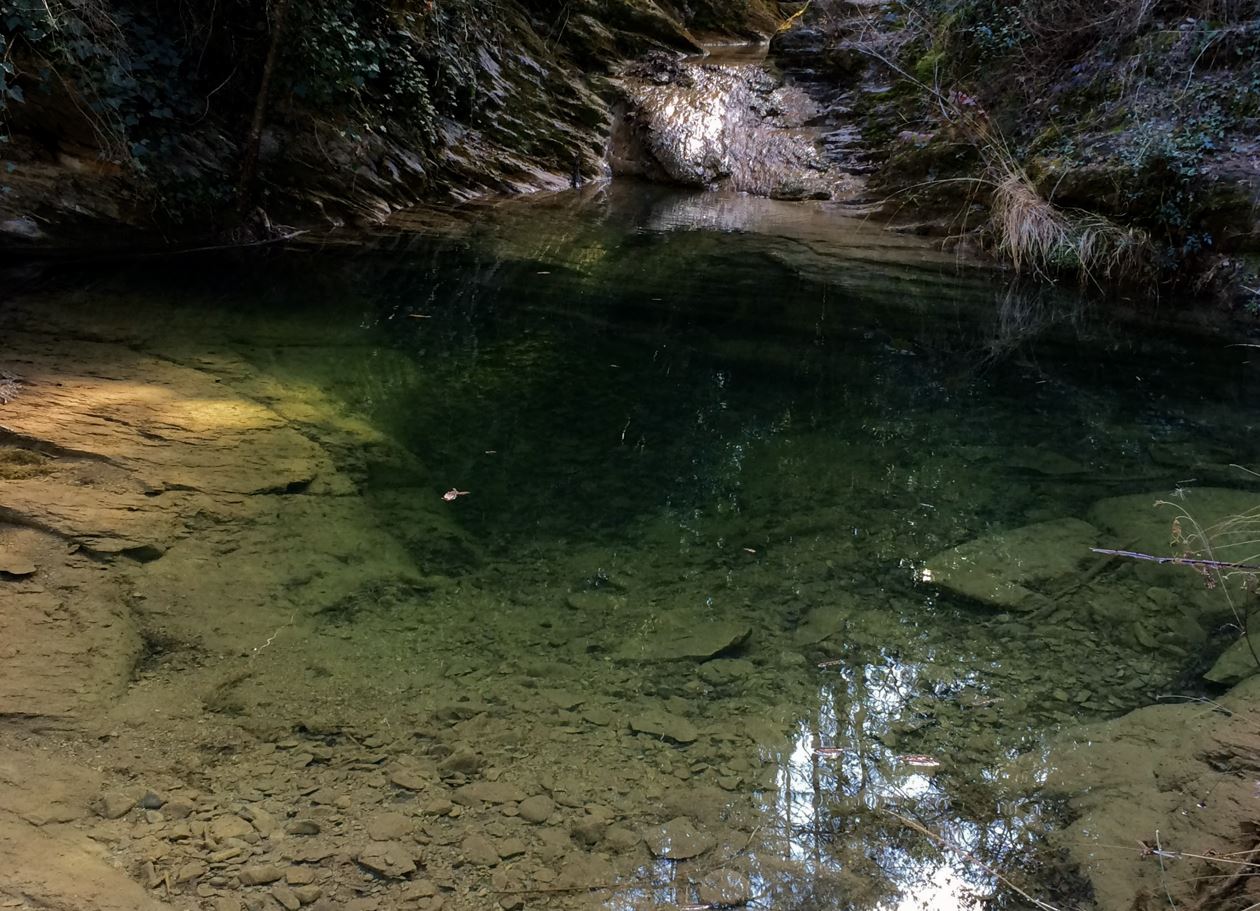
x: 1177, y: 561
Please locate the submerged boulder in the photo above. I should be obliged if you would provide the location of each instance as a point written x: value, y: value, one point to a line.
x: 1011, y: 569
x: 662, y: 724
x: 677, y: 839
x: 1216, y: 523
x: 1152, y: 522
x: 1238, y: 662
x: 681, y: 641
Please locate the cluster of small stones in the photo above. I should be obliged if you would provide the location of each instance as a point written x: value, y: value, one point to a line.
x: 365, y: 825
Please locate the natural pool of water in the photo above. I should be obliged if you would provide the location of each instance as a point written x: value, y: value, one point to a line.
x: 698, y: 452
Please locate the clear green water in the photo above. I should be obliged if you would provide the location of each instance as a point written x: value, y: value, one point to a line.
x: 662, y: 423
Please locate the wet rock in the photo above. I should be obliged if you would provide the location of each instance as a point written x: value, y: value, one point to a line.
x: 562, y: 698
x: 581, y: 871
x: 677, y: 839
x: 1005, y: 569
x: 114, y: 806
x: 703, y: 125
x: 821, y: 624
x: 724, y: 889
x: 492, y: 792
x: 726, y: 671
x: 698, y: 642
x: 479, y: 850
x: 537, y: 809
x: 597, y: 716
x: 1237, y: 663
x: 596, y: 603
x: 22, y: 228
x: 388, y: 859
x: 659, y: 723
x: 261, y: 875
x: 588, y: 830
x: 1143, y: 522
x: 621, y: 839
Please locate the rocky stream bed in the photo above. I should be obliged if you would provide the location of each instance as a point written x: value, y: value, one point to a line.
x: 688, y: 640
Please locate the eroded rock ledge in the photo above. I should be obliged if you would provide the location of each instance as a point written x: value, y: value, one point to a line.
x: 740, y: 127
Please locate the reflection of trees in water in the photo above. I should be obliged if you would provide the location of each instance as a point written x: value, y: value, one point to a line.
x: 850, y: 811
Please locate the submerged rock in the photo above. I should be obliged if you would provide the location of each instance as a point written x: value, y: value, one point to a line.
x: 725, y: 889
x: 682, y: 642
x: 1006, y: 569
x: 659, y: 723
x: 1237, y: 663
x: 677, y: 839
x: 820, y: 624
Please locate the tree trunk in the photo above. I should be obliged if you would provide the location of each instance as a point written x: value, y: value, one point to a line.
x: 247, y: 189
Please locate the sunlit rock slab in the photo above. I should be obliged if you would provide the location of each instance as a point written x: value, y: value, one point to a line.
x: 1012, y: 569
x: 172, y: 427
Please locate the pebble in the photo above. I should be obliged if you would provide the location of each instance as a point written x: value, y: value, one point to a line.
x: 190, y: 871
x: 151, y: 801
x: 299, y: 876
x: 537, y: 809
x: 511, y: 847
x: 478, y: 849
x: 286, y: 897
x: 408, y: 780
x: 178, y: 808
x: 225, y: 827
x: 439, y: 807
x: 114, y: 806
x: 389, y: 859
x: 491, y: 792
x: 389, y: 827
x: 464, y: 761
x: 308, y: 894
x: 260, y: 876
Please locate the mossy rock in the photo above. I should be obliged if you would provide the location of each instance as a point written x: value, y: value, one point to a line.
x: 1012, y: 570
x: 1237, y: 663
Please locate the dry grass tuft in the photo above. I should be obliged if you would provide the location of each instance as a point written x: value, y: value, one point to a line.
x: 1036, y: 236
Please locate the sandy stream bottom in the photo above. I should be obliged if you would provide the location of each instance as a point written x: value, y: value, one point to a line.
x: 211, y: 697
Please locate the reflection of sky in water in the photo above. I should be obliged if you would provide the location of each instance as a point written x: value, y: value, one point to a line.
x: 841, y: 792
